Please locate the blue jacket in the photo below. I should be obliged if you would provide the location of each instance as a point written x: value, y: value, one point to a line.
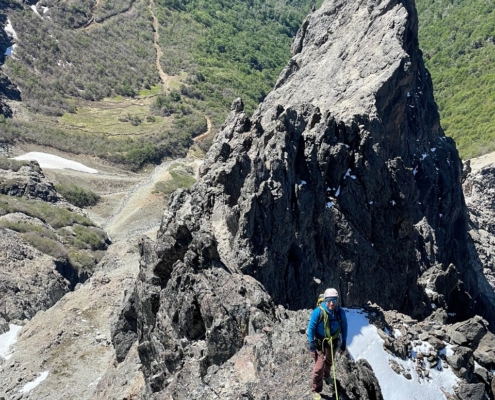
x: 317, y: 330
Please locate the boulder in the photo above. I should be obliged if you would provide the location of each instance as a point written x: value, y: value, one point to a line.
x: 468, y: 332
x: 462, y: 362
x: 485, y: 352
x: 475, y: 391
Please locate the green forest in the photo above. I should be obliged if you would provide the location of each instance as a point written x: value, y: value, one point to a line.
x: 458, y: 42
x: 74, y: 55
x: 87, y: 52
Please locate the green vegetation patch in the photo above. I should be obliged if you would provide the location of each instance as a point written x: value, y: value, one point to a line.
x: 14, y: 165
x: 46, y: 245
x: 115, y: 117
x: 458, y: 41
x: 77, y: 195
x: 70, y: 236
x: 88, y: 238
x: 181, y: 177
x: 23, y: 227
x: 228, y: 49
x: 59, y: 59
x: 46, y: 212
x: 87, y: 63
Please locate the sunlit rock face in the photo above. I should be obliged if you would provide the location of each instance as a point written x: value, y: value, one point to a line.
x: 342, y: 178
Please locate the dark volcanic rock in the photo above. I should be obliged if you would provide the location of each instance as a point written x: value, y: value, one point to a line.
x: 28, y: 182
x: 343, y: 177
x: 29, y: 281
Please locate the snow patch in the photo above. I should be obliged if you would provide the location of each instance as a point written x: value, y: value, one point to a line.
x: 330, y: 204
x: 49, y: 161
x: 415, y: 170
x: 337, y: 192
x: 10, y: 50
x: 423, y: 156
x: 365, y: 343
x: 318, y: 281
x: 393, y: 202
x: 31, y: 385
x: 33, y: 7
x: 303, y: 183
x: 8, y: 339
x: 9, y: 29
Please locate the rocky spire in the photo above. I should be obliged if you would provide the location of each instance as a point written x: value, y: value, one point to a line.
x: 343, y: 177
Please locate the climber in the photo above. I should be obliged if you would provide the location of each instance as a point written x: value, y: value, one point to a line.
x: 327, y: 322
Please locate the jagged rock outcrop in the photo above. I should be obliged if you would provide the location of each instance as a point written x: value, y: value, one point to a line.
x: 47, y: 246
x: 29, y: 280
x: 479, y: 191
x: 29, y: 182
x: 343, y: 177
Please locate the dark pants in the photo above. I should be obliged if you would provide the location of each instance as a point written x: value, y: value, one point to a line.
x: 323, y: 365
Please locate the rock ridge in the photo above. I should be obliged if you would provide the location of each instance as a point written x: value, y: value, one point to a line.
x: 342, y: 177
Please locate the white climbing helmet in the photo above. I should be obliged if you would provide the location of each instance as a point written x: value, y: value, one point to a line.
x: 331, y: 292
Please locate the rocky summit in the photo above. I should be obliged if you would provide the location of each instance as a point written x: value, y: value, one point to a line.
x: 342, y: 178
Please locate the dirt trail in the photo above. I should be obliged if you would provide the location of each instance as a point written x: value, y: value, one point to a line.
x: 208, y: 130
x: 156, y: 37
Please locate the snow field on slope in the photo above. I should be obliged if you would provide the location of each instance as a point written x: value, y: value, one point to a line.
x: 8, y: 339
x: 49, y: 161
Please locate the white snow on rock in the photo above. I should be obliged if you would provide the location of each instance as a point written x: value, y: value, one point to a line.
x: 8, y: 339
x: 9, y: 29
x: 31, y: 385
x: 49, y: 161
x: 10, y: 50
x: 33, y: 7
x: 365, y: 343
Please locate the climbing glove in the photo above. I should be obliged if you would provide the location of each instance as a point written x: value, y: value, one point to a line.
x: 343, y: 346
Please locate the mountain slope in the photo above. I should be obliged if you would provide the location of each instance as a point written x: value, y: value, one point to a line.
x: 458, y: 41
x: 183, y: 62
x: 341, y: 178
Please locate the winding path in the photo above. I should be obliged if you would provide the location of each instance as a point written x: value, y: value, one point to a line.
x: 156, y: 37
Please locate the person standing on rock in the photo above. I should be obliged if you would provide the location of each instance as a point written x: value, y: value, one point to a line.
x: 327, y: 322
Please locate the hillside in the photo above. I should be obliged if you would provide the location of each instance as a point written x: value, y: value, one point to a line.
x: 132, y: 82
x: 458, y: 41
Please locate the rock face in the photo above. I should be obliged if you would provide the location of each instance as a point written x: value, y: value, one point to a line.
x: 29, y: 280
x: 480, y: 199
x: 42, y: 255
x: 29, y: 182
x: 343, y: 177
